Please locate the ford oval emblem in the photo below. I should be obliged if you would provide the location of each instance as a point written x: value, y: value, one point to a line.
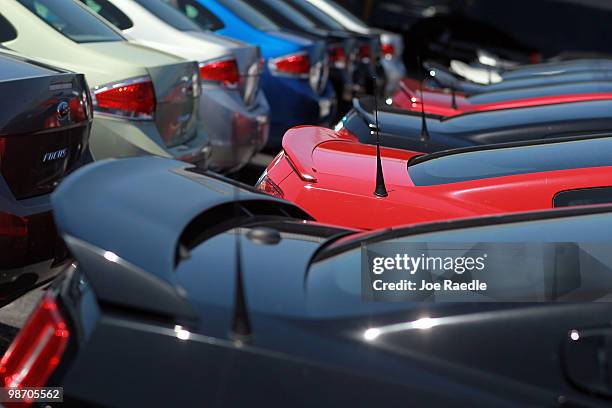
x: 63, y: 110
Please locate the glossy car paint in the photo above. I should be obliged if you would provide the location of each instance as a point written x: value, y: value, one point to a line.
x: 306, y: 334
x: 332, y: 176
x: 402, y: 129
x: 292, y: 100
x: 174, y: 132
x: 45, y: 120
x: 236, y: 119
x: 440, y: 102
x: 392, y: 63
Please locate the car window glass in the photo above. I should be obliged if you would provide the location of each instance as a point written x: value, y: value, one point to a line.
x: 586, y: 196
x: 324, y: 21
x: 72, y: 20
x: 197, y: 13
x: 249, y: 14
x: 354, y: 19
x: 512, y: 161
x: 110, y: 12
x: 169, y: 15
x: 7, y: 31
x: 287, y: 12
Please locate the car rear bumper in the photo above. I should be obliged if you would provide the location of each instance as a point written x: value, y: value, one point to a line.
x: 113, y: 137
x: 293, y: 103
x: 31, y: 254
x: 237, y: 132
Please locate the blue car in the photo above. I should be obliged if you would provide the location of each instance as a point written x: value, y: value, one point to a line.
x: 296, y: 69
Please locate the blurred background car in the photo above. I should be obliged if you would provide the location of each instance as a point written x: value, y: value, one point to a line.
x: 145, y: 101
x: 45, y: 120
x: 233, y: 109
x: 341, y: 45
x: 391, y: 44
x: 296, y: 69
x: 368, y: 74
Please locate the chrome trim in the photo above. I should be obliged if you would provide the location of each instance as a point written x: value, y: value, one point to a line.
x: 115, y: 112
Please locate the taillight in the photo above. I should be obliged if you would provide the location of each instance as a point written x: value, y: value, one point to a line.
x: 292, y: 65
x: 388, y: 51
x: 132, y: 99
x: 268, y: 186
x: 365, y: 53
x: 37, y: 349
x: 337, y: 57
x: 13, y: 226
x: 225, y: 72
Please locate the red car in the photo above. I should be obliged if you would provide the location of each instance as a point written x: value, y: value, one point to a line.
x: 333, y: 177
x: 440, y: 101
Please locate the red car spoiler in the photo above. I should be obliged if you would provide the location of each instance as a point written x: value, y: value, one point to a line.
x: 299, y: 143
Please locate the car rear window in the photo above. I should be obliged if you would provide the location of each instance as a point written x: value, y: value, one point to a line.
x: 249, y: 14
x: 324, y: 21
x: 474, y: 165
x: 7, y: 31
x: 110, y: 13
x: 280, y: 11
x: 169, y: 15
x: 585, y: 196
x: 199, y: 14
x: 72, y: 20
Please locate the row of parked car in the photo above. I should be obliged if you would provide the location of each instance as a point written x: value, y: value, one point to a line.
x: 206, y: 82
x: 180, y: 286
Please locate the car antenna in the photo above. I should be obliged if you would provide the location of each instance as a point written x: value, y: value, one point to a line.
x: 241, y: 326
x: 381, y: 189
x: 424, y: 131
x: 453, y: 95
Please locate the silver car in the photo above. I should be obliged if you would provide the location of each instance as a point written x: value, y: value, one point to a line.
x: 233, y: 108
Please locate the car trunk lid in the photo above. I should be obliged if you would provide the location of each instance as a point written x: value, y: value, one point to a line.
x: 44, y: 127
x: 176, y: 92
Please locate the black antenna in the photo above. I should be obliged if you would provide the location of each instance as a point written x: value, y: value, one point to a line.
x: 453, y: 95
x: 424, y: 132
x: 381, y: 189
x: 241, y: 326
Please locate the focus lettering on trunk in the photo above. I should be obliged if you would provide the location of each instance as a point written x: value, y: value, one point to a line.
x: 58, y: 154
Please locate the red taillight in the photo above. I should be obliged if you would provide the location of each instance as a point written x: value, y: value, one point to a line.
x: 388, y: 50
x: 225, y: 72
x: 296, y: 64
x: 365, y: 53
x: 268, y: 186
x: 337, y: 57
x: 37, y: 349
x: 13, y: 226
x: 134, y: 99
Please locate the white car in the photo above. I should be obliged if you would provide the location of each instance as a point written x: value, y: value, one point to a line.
x: 392, y: 44
x: 234, y: 110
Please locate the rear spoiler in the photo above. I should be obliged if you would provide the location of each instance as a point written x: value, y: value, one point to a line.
x: 299, y: 143
x: 123, y: 219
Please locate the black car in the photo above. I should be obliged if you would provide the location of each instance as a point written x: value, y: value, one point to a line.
x: 404, y: 129
x: 341, y: 45
x: 233, y: 298
x: 45, y: 119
